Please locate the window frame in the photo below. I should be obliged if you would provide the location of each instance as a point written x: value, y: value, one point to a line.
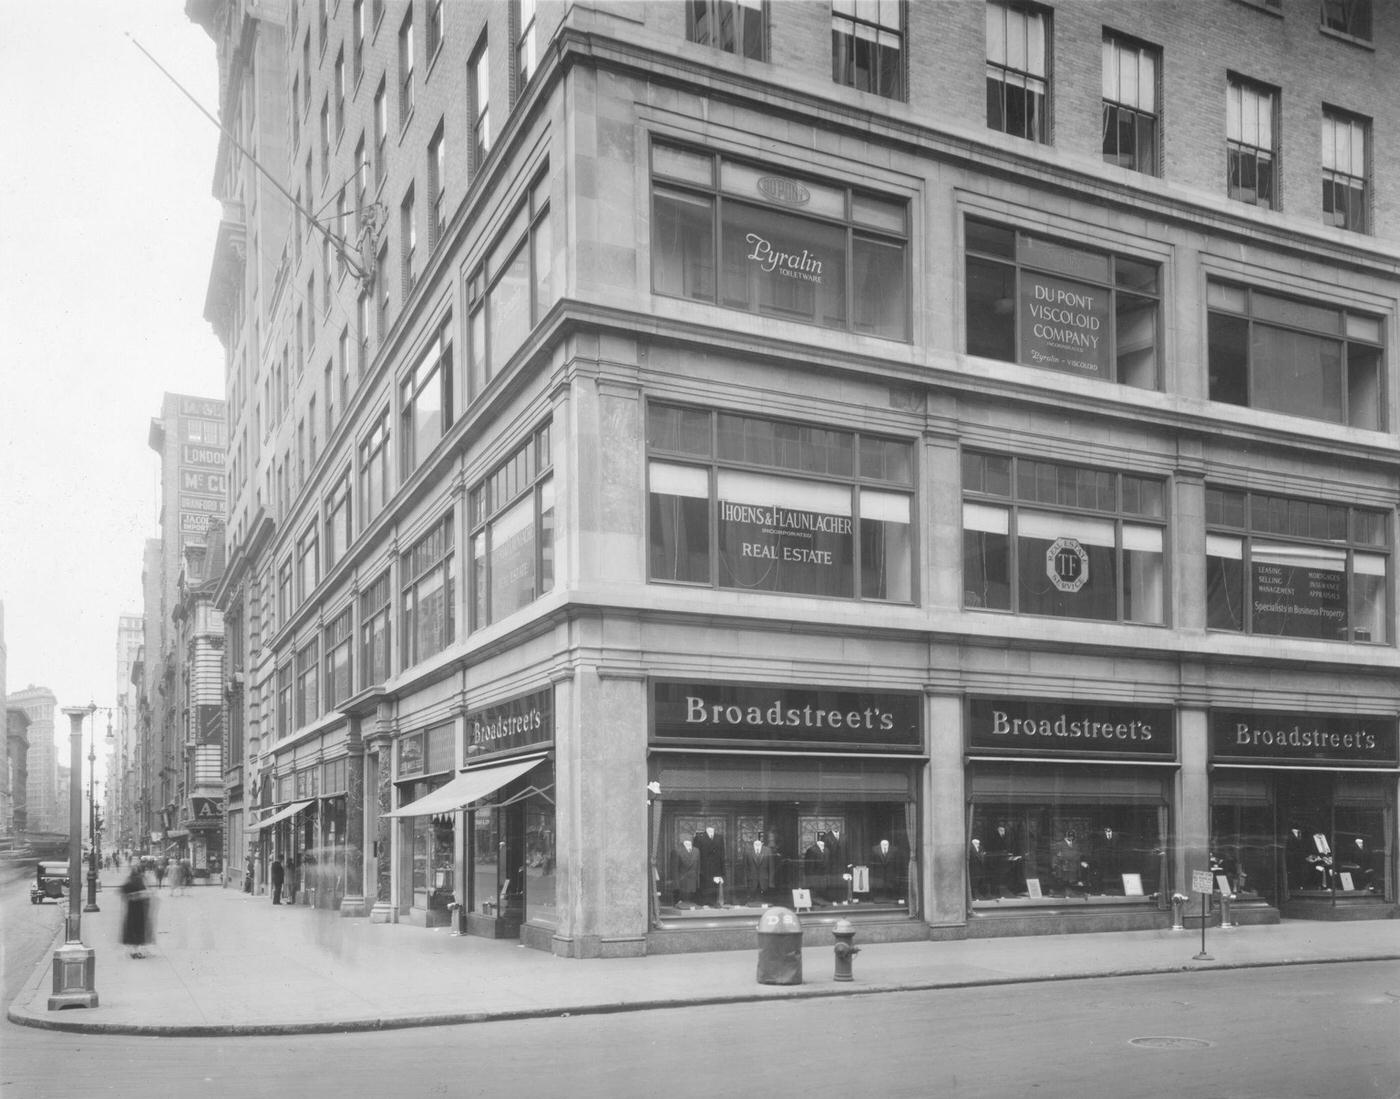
x: 1120, y: 101
x: 372, y: 466
x: 1342, y: 132
x: 307, y: 697
x: 725, y: 25
x: 853, y: 32
x: 339, y: 642
x: 1244, y: 99
x: 406, y: 67
x: 1003, y: 74
x: 432, y: 369
x: 429, y: 560
x: 526, y: 475
x: 339, y: 518
x: 479, y: 105
x: 376, y: 631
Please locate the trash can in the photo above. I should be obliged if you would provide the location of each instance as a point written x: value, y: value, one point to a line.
x: 779, y: 948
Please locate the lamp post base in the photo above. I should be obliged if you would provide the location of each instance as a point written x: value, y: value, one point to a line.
x: 74, y: 977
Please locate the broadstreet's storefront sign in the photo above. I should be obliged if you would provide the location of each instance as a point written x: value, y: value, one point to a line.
x: 730, y: 713
x: 525, y: 722
x: 1296, y: 739
x: 1046, y: 727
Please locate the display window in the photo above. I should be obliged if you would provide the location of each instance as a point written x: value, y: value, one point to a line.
x: 731, y: 836
x: 754, y: 504
x: 1050, y: 538
x: 512, y: 855
x: 1059, y: 306
x: 1290, y: 567
x: 425, y: 762
x: 733, y: 234
x: 1044, y: 832
x: 1279, y: 836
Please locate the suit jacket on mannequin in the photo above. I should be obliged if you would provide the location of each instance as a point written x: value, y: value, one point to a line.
x: 710, y: 844
x: 836, y: 851
x: 685, y: 870
x: 760, y: 867
x: 887, y: 866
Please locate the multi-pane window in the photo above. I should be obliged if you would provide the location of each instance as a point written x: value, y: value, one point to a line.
x: 479, y: 107
x: 326, y: 264
x: 338, y: 521
x: 509, y: 292
x: 376, y: 614
x: 1303, y: 358
x: 361, y: 333
x: 374, y: 470
x: 1018, y: 71
x: 306, y: 71
x: 433, y: 31
x: 736, y: 235
x: 1344, y: 189
x: 867, y: 46
x: 382, y: 282
x: 357, y: 33
x: 343, y: 355
x: 340, y: 92
x: 735, y: 26
x: 406, y: 66
x: 361, y: 182
x: 1044, y: 303
x: 308, y: 564
x: 408, y: 243
x: 1049, y: 538
x: 296, y: 115
x: 1130, y: 104
x: 1290, y: 567
x: 437, y: 185
x: 325, y: 139
x: 381, y: 137
x: 1251, y: 148
x: 284, y: 592
x: 426, y: 401
x: 763, y: 505
x: 340, y: 639
x: 426, y: 572
x: 524, y: 22
x: 284, y: 699
x: 308, y: 691
x: 342, y: 231
x: 1350, y: 17
x: 512, y: 532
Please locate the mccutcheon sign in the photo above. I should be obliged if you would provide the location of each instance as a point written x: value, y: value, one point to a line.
x: 1303, y: 738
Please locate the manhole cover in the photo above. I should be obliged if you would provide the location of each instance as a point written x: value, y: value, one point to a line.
x: 1169, y: 1043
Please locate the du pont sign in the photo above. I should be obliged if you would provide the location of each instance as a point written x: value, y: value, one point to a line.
x: 524, y: 722
x: 1299, y: 739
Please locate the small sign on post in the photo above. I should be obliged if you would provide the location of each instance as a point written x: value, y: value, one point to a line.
x: 1204, y: 884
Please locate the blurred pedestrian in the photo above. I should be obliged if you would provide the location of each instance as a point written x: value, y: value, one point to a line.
x: 136, y: 921
x: 186, y: 874
x: 278, y: 875
x: 161, y: 865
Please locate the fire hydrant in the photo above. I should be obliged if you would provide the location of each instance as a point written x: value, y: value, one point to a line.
x: 846, y: 948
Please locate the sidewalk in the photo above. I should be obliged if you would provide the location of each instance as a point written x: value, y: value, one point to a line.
x: 226, y: 962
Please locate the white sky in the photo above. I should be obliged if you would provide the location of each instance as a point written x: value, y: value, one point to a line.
x: 107, y: 226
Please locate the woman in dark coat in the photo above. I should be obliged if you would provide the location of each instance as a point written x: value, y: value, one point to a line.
x: 136, y: 922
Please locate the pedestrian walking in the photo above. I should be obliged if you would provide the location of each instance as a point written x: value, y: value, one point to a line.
x: 136, y: 920
x: 186, y: 874
x: 160, y: 872
x: 278, y: 874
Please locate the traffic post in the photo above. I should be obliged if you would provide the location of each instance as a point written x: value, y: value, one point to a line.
x: 1204, y: 884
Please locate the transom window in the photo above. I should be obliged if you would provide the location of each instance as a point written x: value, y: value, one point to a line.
x: 1344, y: 190
x: 1018, y: 71
x: 867, y: 46
x: 1068, y: 541
x: 753, y: 504
x: 733, y: 234
x: 1292, y: 567
x: 1251, y: 112
x: 1130, y: 104
x: 512, y: 532
x: 1041, y: 302
x: 1297, y: 357
x: 734, y: 26
x: 426, y: 569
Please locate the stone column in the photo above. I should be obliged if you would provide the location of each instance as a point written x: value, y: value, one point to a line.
x: 353, y: 903
x: 379, y: 789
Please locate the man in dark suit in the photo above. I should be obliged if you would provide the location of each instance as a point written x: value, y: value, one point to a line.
x: 685, y: 872
x: 887, y: 867
x: 710, y: 844
x: 760, y: 869
x: 817, y: 864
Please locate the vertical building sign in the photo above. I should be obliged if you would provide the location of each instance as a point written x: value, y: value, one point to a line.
x: 201, y: 483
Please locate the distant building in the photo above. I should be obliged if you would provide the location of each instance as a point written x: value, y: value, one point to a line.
x: 44, y: 811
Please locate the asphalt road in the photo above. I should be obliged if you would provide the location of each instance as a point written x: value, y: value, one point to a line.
x: 1291, y: 1032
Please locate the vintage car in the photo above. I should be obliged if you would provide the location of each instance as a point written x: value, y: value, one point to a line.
x: 50, y: 882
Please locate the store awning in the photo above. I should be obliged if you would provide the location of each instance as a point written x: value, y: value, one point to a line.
x: 282, y: 814
x: 466, y: 788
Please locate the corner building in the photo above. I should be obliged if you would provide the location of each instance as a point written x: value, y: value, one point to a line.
x: 937, y: 459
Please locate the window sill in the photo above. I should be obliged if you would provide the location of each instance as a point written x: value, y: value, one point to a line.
x: 1349, y: 39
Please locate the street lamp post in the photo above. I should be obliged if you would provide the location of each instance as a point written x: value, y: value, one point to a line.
x: 74, y: 964
x: 94, y: 836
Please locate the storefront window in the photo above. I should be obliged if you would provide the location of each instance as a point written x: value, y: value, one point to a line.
x: 1040, y: 302
x: 806, y: 251
x: 512, y: 855
x: 836, y: 521
x: 1050, y: 538
x: 1296, y: 568
x: 428, y: 839
x: 1057, y: 830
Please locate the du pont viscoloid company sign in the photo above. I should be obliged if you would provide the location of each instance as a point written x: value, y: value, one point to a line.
x: 750, y: 713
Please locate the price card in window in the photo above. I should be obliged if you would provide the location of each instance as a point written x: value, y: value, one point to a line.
x: 1202, y: 882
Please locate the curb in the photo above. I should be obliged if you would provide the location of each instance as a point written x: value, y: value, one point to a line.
x: 60, y: 1022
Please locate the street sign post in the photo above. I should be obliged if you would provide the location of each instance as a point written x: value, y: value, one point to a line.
x: 1202, y: 883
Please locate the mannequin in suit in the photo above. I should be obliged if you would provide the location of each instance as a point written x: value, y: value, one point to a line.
x: 887, y: 866
x: 759, y: 866
x: 1296, y: 849
x: 1106, y: 861
x: 817, y: 862
x: 710, y: 844
x: 685, y: 872
x: 835, y: 846
x: 979, y: 870
x: 1005, y: 879
x: 1068, y: 864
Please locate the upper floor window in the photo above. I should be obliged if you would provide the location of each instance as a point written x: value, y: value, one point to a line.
x: 1251, y: 134
x: 433, y: 33
x: 1350, y: 17
x: 510, y: 291
x: 437, y: 185
x: 408, y: 243
x: 524, y: 22
x: 1043, y: 303
x: 308, y: 691
x: 732, y: 234
x: 338, y: 530
x: 428, y: 594
x: 1301, y: 358
x: 1130, y: 104
x: 325, y: 139
x: 308, y: 564
x: 340, y: 92
x: 381, y: 137
x: 1344, y: 192
x: 374, y: 470
x: 357, y: 33
x: 376, y: 610
x: 1018, y: 71
x: 339, y: 645
x: 735, y: 26
x: 512, y: 532
x: 426, y: 401
x: 1296, y: 568
x: 284, y: 699
x: 406, y: 66
x: 284, y: 592
x: 867, y: 46
x: 479, y: 107
x: 1048, y: 538
x: 786, y: 507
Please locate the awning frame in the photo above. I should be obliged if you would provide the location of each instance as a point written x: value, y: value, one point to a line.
x: 466, y: 787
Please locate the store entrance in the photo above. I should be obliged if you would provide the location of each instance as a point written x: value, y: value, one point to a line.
x: 498, y: 864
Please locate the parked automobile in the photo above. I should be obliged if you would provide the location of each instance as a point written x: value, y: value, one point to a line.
x: 50, y: 882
